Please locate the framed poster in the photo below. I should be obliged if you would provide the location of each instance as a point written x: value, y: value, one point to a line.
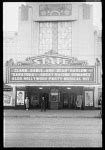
x: 7, y: 98
x: 20, y: 97
x: 88, y: 98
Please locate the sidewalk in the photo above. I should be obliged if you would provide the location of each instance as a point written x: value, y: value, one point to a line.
x: 52, y: 113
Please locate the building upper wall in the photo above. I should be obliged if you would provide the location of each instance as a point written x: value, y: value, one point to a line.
x: 81, y: 22
x: 78, y: 15
x: 54, y: 11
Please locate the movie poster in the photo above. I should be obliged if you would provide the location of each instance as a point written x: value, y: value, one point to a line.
x: 7, y: 98
x: 88, y: 98
x: 20, y: 97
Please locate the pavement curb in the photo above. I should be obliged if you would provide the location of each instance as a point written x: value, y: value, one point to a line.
x: 28, y: 116
x: 57, y: 114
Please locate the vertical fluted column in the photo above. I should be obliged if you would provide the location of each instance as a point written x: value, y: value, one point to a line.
x: 55, y: 36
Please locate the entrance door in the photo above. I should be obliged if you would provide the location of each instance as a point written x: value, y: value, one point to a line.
x: 65, y: 100
x: 69, y: 101
x: 34, y: 103
x: 54, y: 98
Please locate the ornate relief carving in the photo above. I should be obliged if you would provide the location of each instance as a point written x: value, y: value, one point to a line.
x: 49, y: 58
x: 55, y: 10
x: 97, y: 61
x: 10, y: 62
x: 51, y: 52
x: 24, y: 12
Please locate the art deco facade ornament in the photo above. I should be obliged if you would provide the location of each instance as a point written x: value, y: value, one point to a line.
x: 49, y: 58
x: 55, y: 10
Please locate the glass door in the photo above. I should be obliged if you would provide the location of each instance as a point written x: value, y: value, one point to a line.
x: 54, y: 98
x: 54, y: 95
x: 65, y: 100
x: 34, y: 100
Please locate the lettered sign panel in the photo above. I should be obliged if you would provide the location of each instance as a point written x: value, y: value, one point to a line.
x: 51, y: 68
x: 33, y: 75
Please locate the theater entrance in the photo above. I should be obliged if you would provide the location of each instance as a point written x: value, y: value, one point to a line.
x: 65, y: 100
x: 35, y: 95
x: 56, y: 97
x: 69, y: 96
x: 69, y: 101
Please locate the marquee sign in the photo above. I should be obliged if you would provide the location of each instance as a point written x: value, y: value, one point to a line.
x: 51, y: 68
x: 51, y: 74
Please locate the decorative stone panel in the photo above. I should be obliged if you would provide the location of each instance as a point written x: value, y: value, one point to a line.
x: 24, y: 13
x: 86, y: 11
x: 65, y: 37
x: 55, y: 10
x: 45, y: 37
x: 55, y: 36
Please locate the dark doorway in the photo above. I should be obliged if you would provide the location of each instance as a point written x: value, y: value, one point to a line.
x: 34, y: 100
x: 33, y: 94
x: 65, y: 100
x: 46, y: 96
x: 69, y: 97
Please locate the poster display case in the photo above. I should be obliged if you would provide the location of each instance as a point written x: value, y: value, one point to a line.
x: 20, y: 98
x: 7, y: 98
x: 89, y: 98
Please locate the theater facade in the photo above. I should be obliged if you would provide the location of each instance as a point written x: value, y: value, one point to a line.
x: 60, y: 79
x: 55, y: 58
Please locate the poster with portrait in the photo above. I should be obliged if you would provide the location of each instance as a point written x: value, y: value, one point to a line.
x: 88, y: 98
x: 20, y: 97
x: 7, y: 98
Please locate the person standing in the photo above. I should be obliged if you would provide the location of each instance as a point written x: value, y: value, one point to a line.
x: 45, y: 104
x: 42, y: 104
x: 79, y: 102
x: 27, y: 103
x: 99, y: 102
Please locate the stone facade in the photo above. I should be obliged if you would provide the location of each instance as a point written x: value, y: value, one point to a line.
x: 69, y: 33
x: 66, y: 29
x: 36, y: 34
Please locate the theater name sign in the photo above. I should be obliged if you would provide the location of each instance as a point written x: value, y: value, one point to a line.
x: 51, y: 68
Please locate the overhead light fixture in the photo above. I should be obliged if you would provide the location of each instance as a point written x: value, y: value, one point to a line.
x: 69, y: 88
x: 40, y: 88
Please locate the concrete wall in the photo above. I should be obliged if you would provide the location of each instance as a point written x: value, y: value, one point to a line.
x: 37, y: 17
x: 10, y: 47
x: 97, y: 43
x: 84, y: 41
x: 82, y: 31
x: 25, y: 36
x: 83, y: 45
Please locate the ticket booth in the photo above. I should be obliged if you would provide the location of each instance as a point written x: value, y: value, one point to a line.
x: 54, y: 98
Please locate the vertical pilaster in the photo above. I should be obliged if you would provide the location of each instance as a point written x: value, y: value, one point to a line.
x: 14, y: 96
x: 96, y: 97
x: 55, y: 36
